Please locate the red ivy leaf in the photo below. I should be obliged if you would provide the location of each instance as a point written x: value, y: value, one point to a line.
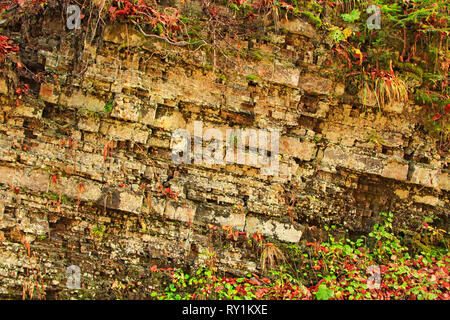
x: 447, y: 109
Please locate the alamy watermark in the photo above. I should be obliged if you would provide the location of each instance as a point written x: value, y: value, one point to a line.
x: 74, y: 278
x: 263, y: 147
x: 73, y: 17
x: 374, y: 21
x: 374, y: 281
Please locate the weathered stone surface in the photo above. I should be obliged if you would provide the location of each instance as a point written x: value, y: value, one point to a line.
x: 130, y: 202
x: 28, y: 110
x: 314, y: 84
x: 337, y: 156
x: 125, y: 131
x: 425, y: 176
x: 221, y: 215
x: 171, y: 120
x: 402, y: 194
x: 294, y: 147
x: 123, y: 33
x: 82, y: 101
x: 3, y: 86
x: 80, y: 188
x: 126, y: 107
x: 429, y: 200
x: 273, y: 228
x: 278, y: 73
x: 96, y: 189
x: 48, y: 92
x: 396, y: 107
x: 180, y: 212
x: 89, y: 124
x: 339, y: 89
x: 444, y: 181
x: 298, y: 26
x: 395, y: 170
x: 32, y: 179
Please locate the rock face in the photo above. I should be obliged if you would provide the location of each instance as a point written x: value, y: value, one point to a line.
x: 87, y: 178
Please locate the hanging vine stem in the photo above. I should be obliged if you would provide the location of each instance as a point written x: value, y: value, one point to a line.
x: 180, y: 44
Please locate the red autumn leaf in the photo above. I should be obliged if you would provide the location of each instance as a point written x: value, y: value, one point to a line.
x: 122, y: 12
x: 437, y: 116
x: 213, y: 12
x: 164, y: 269
x: 257, y: 236
x: 254, y: 282
x: 266, y: 280
x: 286, y: 6
x: 447, y: 109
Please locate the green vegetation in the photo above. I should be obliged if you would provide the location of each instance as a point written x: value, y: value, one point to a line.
x: 253, y: 78
x: 108, y: 107
x: 98, y: 231
x: 379, y: 266
x: 408, y: 56
x: 352, y: 16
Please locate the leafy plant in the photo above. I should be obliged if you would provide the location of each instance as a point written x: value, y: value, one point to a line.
x: 7, y: 46
x: 108, y: 107
x: 336, y: 269
x: 323, y: 293
x: 253, y: 78
x: 338, y: 35
x: 374, y: 138
x: 384, y: 85
x: 98, y: 231
x: 352, y: 16
x: 271, y: 255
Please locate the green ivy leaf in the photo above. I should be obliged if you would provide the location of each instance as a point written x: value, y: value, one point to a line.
x: 108, y: 107
x: 352, y: 16
x: 323, y: 293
